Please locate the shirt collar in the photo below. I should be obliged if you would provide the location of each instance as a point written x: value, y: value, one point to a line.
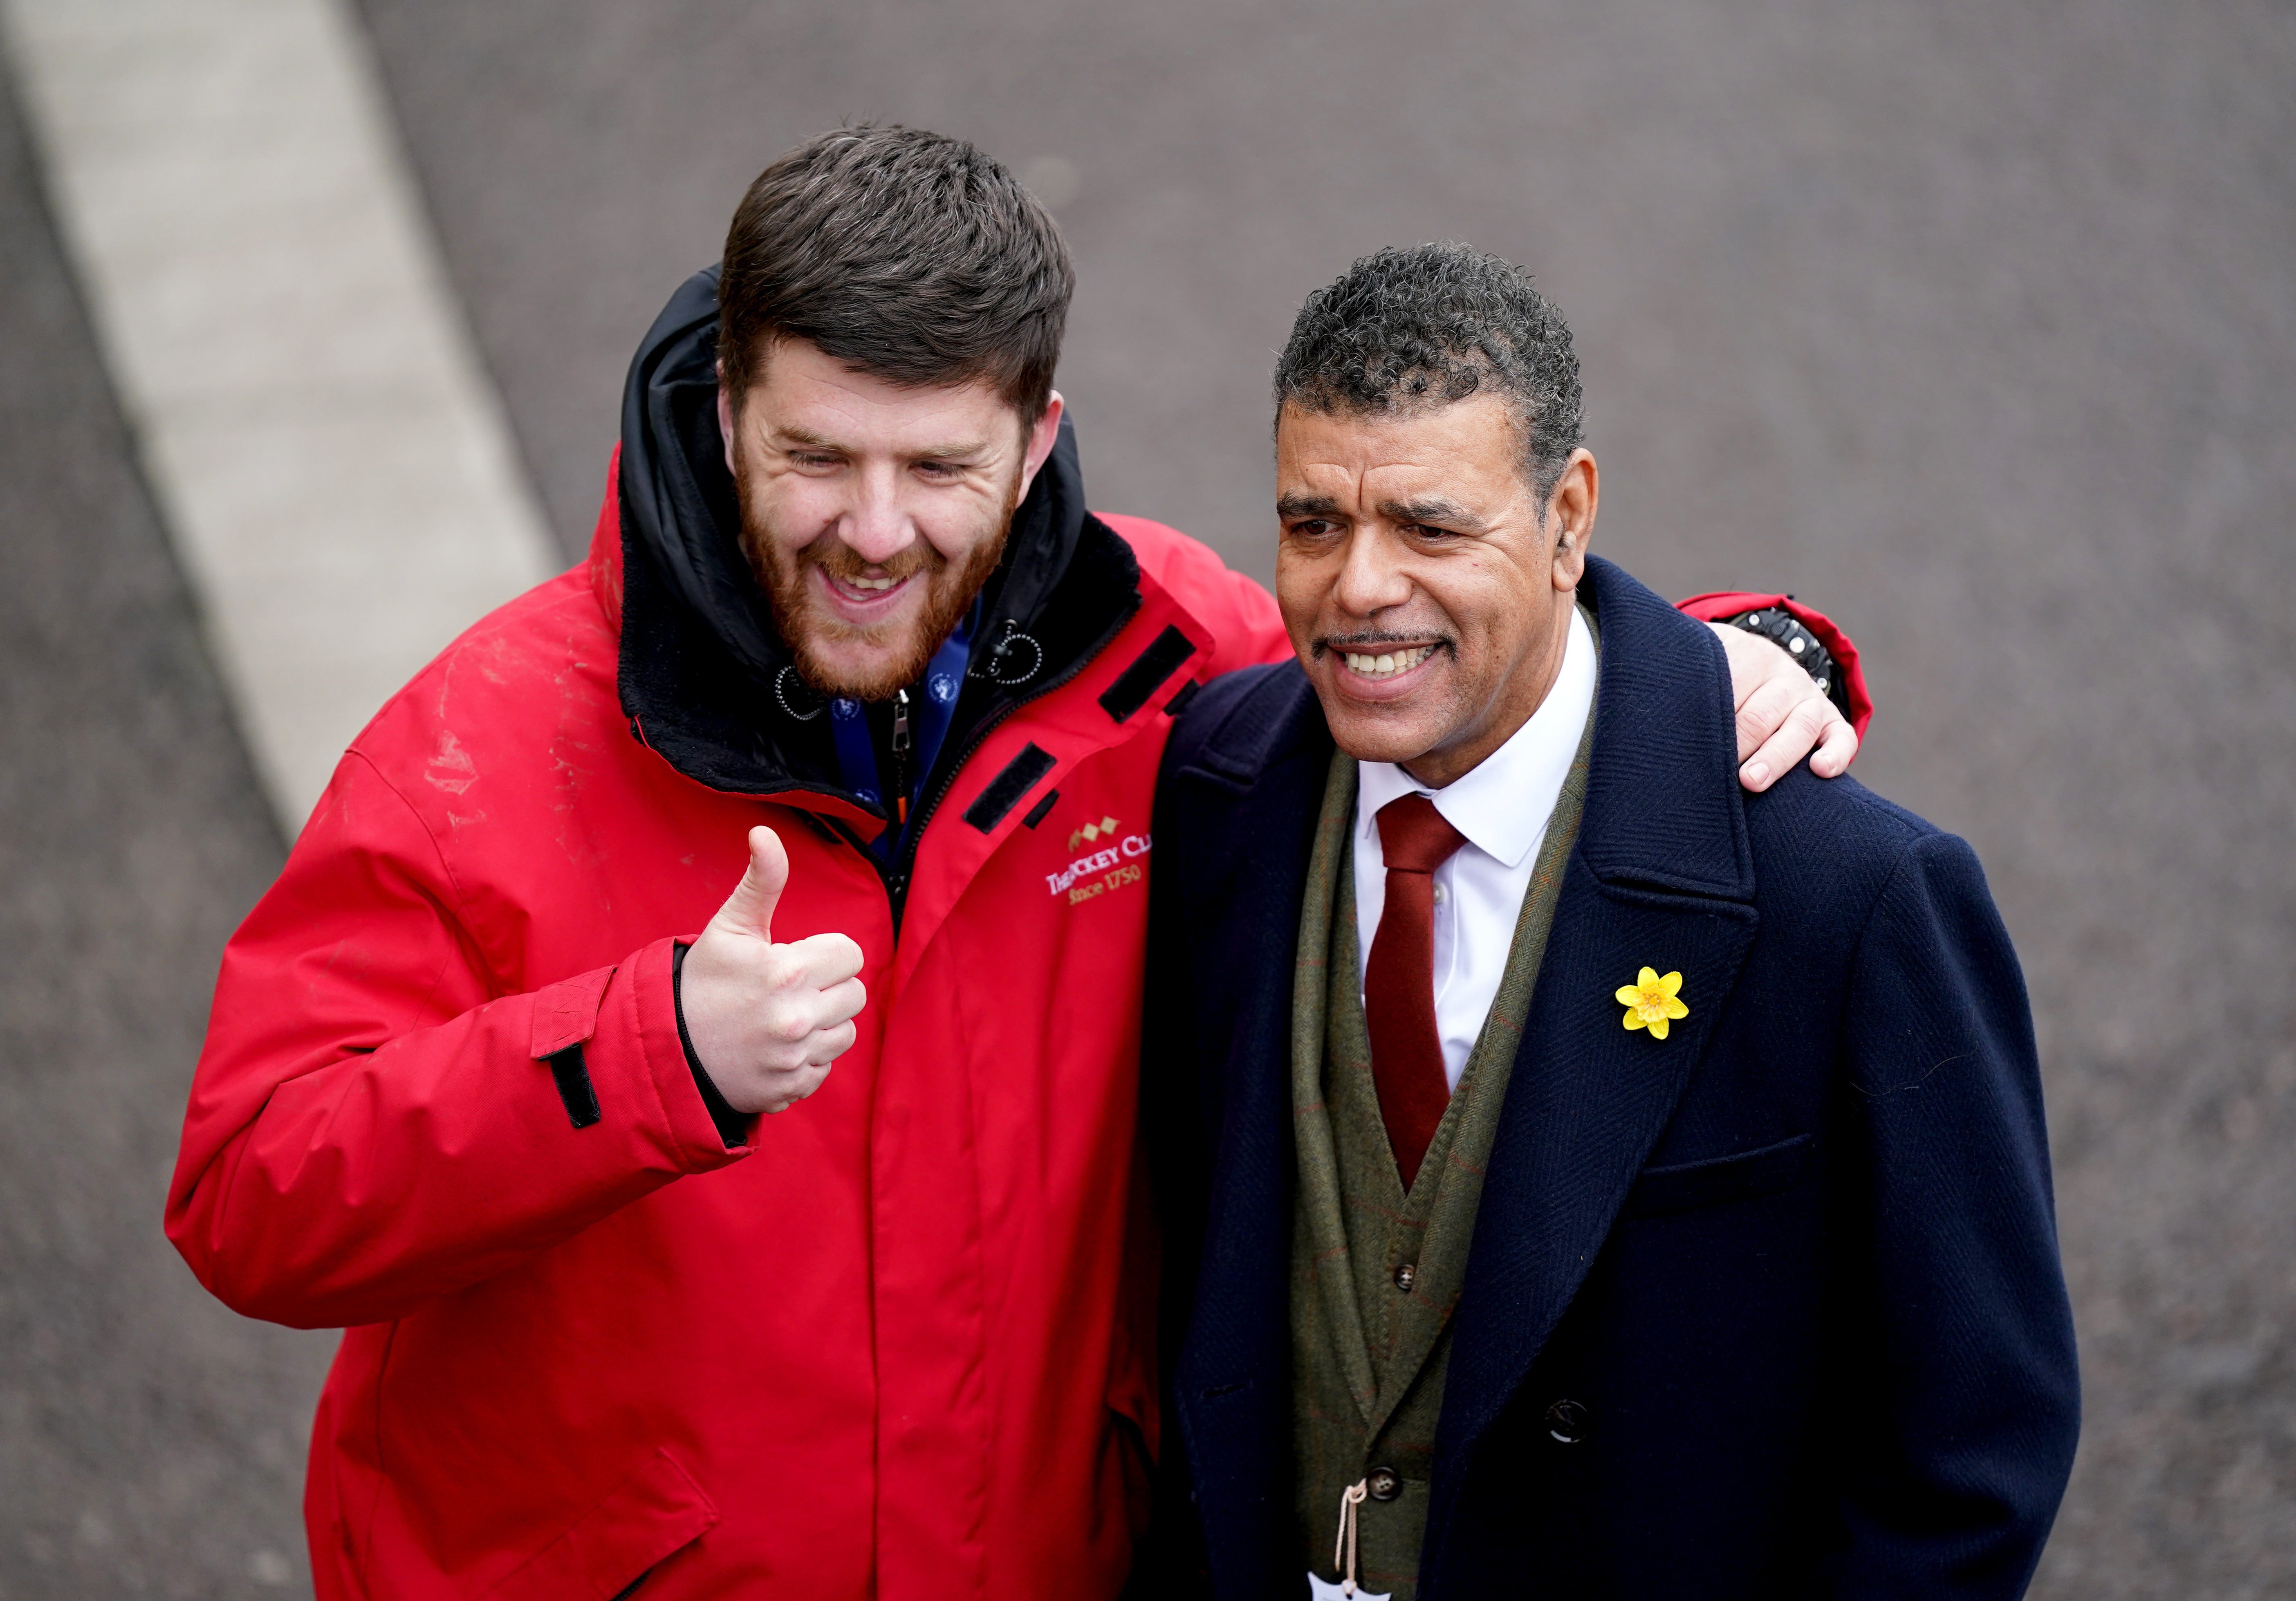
x: 1502, y: 804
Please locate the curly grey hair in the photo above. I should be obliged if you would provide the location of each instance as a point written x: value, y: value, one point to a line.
x: 1402, y: 330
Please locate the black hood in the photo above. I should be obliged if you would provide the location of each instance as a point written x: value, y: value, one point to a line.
x: 699, y: 656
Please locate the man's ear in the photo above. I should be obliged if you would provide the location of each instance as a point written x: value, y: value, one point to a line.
x: 725, y: 421
x: 1570, y: 512
x: 1044, y: 434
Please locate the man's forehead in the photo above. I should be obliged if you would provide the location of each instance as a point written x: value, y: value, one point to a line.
x: 1443, y: 455
x: 810, y: 398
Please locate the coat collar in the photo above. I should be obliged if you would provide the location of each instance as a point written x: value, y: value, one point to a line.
x: 1662, y: 807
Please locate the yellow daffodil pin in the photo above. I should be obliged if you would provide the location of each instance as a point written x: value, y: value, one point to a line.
x: 1650, y: 1002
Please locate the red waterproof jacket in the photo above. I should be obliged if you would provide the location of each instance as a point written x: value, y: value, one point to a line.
x: 892, y: 1342
x: 879, y: 1349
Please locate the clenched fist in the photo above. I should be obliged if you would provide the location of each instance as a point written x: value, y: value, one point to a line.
x: 767, y: 1020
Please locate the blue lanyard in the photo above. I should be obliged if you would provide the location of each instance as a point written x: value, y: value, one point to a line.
x: 929, y: 713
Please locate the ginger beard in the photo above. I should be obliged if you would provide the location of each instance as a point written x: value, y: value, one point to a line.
x: 900, y: 648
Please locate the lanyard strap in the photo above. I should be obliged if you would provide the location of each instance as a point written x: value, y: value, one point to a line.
x: 1343, y: 1550
x: 926, y: 718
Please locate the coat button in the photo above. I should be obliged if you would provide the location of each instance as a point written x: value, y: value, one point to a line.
x: 1406, y: 1277
x: 1383, y: 1483
x: 1566, y: 1421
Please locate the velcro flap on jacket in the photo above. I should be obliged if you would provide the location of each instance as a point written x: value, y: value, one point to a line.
x: 567, y: 1013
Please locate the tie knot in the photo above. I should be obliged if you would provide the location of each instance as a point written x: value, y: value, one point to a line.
x: 1414, y: 837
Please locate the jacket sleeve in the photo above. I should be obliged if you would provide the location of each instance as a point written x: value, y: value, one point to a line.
x: 1730, y: 603
x: 1961, y: 1437
x: 372, y: 1123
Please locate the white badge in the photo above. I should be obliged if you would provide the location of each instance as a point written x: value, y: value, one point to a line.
x: 1324, y: 1589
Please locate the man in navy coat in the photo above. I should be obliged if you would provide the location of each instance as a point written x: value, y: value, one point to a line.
x: 1579, y: 1178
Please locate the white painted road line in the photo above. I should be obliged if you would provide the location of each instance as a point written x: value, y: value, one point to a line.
x: 329, y: 454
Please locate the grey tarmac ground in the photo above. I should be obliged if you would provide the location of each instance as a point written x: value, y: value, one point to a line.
x: 150, y: 1442
x: 1973, y: 323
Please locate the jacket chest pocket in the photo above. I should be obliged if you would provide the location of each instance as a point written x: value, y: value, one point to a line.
x: 1686, y: 1186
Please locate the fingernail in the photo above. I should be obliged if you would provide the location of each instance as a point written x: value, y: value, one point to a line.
x: 1757, y: 772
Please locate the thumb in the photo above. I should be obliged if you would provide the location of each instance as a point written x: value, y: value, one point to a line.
x: 749, y: 908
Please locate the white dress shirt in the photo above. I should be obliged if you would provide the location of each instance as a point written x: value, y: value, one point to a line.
x: 1501, y: 807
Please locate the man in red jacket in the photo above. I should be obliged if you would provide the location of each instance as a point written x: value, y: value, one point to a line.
x: 848, y: 640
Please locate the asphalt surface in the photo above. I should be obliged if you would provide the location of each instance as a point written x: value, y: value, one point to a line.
x: 1974, y: 324
x: 150, y: 1442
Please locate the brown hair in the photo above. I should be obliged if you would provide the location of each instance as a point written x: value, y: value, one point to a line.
x: 907, y: 255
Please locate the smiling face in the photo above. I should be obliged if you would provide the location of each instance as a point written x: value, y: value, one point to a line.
x: 873, y: 514
x: 1426, y: 586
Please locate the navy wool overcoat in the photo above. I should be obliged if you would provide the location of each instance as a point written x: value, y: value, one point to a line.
x: 1789, y: 1277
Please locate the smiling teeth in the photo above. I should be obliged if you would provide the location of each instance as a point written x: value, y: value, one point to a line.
x: 1388, y: 666
x: 872, y: 583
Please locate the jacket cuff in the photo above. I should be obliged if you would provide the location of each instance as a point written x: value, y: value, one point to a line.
x: 733, y: 1126
x: 1729, y: 603
x: 652, y: 990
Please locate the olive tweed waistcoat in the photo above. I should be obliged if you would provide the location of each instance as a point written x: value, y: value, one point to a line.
x: 1376, y: 1271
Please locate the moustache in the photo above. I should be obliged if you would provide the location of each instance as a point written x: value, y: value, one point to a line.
x: 1373, y: 639
x: 840, y: 559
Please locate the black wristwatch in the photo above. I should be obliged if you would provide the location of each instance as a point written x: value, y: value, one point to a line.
x: 1784, y: 629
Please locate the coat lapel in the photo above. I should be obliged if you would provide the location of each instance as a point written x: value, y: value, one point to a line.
x: 1662, y: 877
x: 1230, y: 1389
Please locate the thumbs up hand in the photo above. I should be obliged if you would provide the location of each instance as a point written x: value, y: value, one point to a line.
x: 767, y: 1020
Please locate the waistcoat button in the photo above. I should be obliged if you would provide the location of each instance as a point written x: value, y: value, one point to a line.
x: 1566, y: 1421
x: 1406, y: 1277
x: 1383, y: 1483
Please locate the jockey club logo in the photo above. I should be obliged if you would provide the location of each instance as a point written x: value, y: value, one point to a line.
x: 1112, y: 866
x: 1091, y: 832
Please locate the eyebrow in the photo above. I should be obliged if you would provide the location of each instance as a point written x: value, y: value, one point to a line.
x: 1434, y: 509
x: 805, y: 439
x: 789, y: 434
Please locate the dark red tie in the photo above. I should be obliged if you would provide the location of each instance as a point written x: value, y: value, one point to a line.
x: 1407, y: 1054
